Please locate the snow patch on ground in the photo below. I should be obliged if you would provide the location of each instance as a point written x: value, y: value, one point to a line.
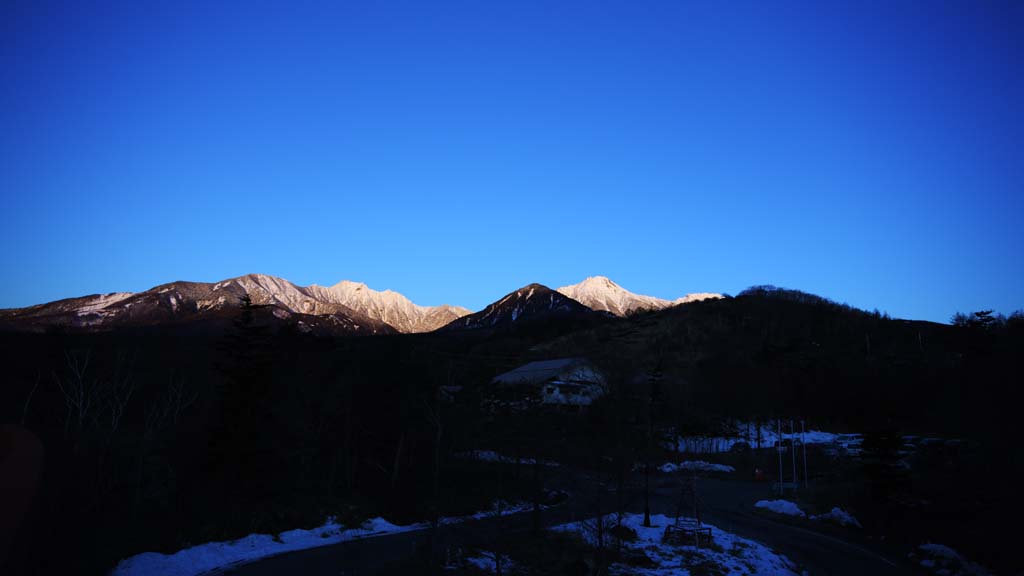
x: 498, y: 509
x: 784, y: 507
x: 103, y: 301
x: 698, y: 465
x: 492, y: 456
x: 214, y: 555
x: 206, y: 557
x: 728, y: 554
x: 838, y: 516
x: 943, y: 560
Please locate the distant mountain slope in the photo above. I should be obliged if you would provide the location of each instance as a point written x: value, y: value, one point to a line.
x: 600, y: 293
x: 388, y: 306
x: 531, y: 302
x: 181, y: 302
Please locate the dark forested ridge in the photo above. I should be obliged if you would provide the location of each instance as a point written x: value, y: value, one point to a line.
x: 159, y: 437
x: 772, y: 351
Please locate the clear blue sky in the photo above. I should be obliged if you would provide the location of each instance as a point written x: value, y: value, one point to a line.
x: 870, y: 152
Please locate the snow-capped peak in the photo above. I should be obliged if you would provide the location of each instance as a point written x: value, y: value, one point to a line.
x: 388, y: 306
x: 600, y: 293
x: 599, y: 281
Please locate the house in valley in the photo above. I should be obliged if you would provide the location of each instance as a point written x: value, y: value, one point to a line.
x: 562, y: 383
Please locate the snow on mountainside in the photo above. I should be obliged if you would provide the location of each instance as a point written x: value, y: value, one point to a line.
x: 280, y: 303
x: 600, y: 293
x: 529, y: 302
x: 696, y: 297
x: 344, y: 308
x: 388, y: 306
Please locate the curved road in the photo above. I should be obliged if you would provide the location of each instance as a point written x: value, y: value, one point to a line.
x: 726, y: 504
x: 729, y: 505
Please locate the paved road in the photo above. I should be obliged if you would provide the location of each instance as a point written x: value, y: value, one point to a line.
x: 725, y: 504
x: 729, y: 506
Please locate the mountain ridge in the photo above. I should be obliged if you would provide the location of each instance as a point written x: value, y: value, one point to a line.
x: 389, y: 306
x: 602, y: 294
x: 184, y: 301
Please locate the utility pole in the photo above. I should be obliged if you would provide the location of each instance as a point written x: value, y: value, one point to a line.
x: 778, y: 450
x: 653, y: 380
x: 803, y: 440
x: 792, y: 449
x: 696, y: 508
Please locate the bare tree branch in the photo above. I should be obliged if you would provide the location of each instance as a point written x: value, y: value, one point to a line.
x: 28, y: 400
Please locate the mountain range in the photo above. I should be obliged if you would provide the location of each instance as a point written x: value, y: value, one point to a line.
x: 346, y: 307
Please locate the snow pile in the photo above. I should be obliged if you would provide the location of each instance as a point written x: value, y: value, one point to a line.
x: 728, y: 553
x: 697, y: 465
x: 784, y: 507
x: 213, y: 555
x: 492, y: 456
x: 940, y: 559
x: 838, y: 516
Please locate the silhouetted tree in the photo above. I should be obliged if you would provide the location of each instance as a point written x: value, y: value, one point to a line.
x: 241, y: 451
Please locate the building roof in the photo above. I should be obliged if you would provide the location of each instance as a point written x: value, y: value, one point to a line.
x: 539, y: 371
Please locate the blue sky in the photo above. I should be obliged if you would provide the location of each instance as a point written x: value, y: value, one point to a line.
x: 868, y: 151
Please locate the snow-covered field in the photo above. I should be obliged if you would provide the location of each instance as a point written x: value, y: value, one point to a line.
x: 943, y: 560
x: 747, y: 433
x: 785, y: 507
x: 211, y: 556
x: 729, y: 554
